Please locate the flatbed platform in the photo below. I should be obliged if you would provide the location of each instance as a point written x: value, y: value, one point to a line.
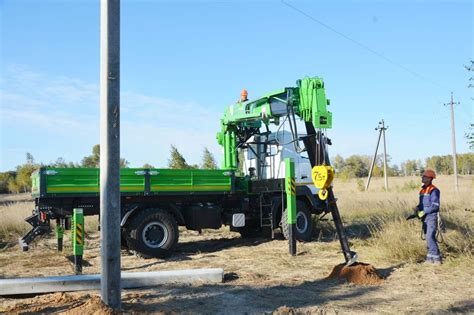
x: 85, y: 182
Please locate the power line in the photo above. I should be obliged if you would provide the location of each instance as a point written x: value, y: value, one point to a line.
x: 414, y: 73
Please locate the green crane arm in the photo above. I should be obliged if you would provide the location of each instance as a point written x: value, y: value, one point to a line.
x: 307, y: 101
x: 241, y: 120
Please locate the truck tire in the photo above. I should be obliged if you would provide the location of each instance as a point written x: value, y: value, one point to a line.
x: 152, y: 233
x: 304, y: 223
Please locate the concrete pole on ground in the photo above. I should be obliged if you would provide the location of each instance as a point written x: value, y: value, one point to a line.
x: 110, y: 152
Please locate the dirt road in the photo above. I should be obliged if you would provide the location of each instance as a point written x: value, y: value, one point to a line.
x: 260, y: 277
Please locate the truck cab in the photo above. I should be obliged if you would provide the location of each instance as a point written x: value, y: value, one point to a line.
x: 264, y: 157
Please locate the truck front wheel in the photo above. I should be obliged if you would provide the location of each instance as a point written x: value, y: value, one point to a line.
x: 304, y: 222
x: 152, y: 233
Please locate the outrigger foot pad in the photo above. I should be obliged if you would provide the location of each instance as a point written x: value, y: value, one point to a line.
x: 24, y: 247
x: 31, y: 235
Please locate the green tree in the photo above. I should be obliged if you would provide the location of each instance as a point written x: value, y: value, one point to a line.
x: 208, y: 161
x: 412, y: 167
x: 23, y: 176
x: 5, y: 178
x: 176, y: 160
x: 338, y: 163
x: 146, y: 165
x: 393, y: 171
x: 470, y: 136
x: 13, y: 186
x: 29, y: 158
x: 466, y: 163
x: 94, y: 159
x: 355, y: 167
x: 22, y: 180
x: 60, y: 162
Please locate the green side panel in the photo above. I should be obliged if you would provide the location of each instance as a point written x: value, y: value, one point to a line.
x: 168, y: 180
x: 71, y: 180
x: 35, y: 183
x: 132, y: 180
x: 87, y: 180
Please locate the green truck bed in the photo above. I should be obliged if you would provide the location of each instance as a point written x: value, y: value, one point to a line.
x: 50, y: 182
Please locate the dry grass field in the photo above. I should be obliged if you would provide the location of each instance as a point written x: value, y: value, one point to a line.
x: 260, y: 275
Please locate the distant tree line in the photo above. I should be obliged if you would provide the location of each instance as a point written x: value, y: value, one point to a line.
x: 19, y: 180
x: 353, y: 166
x: 359, y: 165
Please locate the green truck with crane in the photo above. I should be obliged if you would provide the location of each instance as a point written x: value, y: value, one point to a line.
x: 247, y: 193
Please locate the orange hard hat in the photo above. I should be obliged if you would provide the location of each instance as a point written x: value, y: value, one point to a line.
x: 429, y: 173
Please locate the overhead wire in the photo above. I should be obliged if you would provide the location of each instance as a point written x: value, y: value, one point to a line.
x: 363, y: 46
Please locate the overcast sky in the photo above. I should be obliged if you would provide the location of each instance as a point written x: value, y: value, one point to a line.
x: 182, y: 62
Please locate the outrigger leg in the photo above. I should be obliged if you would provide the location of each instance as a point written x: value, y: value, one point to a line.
x: 40, y: 227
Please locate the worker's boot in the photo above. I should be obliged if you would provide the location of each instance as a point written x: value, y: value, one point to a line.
x: 429, y: 260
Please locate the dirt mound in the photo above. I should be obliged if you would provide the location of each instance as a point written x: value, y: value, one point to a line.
x: 93, y: 306
x: 40, y: 303
x: 358, y: 273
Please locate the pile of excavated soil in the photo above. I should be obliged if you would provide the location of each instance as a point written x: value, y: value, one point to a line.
x: 358, y: 273
x: 93, y: 306
x: 40, y: 303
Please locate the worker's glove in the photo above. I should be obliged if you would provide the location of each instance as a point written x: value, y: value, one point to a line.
x: 421, y: 214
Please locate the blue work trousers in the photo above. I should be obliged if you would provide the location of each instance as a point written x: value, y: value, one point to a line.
x: 430, y: 227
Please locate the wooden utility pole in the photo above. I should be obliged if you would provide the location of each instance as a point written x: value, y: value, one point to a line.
x: 381, y: 128
x: 110, y: 152
x: 453, y: 141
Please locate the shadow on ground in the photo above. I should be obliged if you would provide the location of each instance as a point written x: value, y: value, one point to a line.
x: 185, y: 251
x: 226, y: 298
x: 248, y: 299
x: 215, y: 245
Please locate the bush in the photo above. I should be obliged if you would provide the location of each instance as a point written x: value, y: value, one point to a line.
x: 410, y: 186
x: 398, y: 240
x: 360, y: 184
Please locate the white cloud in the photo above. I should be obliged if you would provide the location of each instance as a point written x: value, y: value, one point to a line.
x: 42, y: 107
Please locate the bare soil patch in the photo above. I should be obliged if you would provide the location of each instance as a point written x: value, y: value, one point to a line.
x: 260, y: 277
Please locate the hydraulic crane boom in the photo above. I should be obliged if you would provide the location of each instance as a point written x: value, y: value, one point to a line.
x: 245, y: 118
x: 307, y: 101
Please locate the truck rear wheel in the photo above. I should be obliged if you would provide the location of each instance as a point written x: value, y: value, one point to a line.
x: 152, y: 233
x: 304, y: 223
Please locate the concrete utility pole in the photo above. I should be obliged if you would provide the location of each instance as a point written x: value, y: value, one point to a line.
x: 381, y: 128
x: 453, y: 140
x: 110, y: 152
x: 385, y: 175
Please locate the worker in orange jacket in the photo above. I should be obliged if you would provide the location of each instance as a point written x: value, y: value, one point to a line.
x: 428, y: 209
